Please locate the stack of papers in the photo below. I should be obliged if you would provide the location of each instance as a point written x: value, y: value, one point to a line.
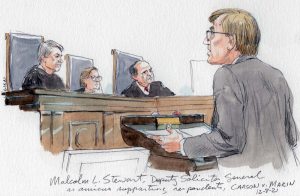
x: 188, y: 132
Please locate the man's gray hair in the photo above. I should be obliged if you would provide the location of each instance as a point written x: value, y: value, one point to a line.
x: 46, y: 47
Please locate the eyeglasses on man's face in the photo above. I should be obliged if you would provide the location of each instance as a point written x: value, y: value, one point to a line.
x: 96, y: 78
x: 211, y: 34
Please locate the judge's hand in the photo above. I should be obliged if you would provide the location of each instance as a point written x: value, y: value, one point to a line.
x: 171, y: 142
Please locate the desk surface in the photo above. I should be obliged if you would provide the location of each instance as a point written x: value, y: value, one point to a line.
x: 54, y: 100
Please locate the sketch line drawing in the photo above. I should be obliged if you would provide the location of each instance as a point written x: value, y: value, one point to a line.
x: 114, y: 161
x: 75, y: 160
x: 251, y: 101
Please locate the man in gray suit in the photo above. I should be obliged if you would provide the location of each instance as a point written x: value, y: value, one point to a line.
x: 252, y: 121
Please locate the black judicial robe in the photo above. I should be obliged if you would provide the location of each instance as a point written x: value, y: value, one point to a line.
x: 38, y: 78
x: 156, y: 89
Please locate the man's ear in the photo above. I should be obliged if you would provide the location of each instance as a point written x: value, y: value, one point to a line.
x: 134, y: 77
x: 232, y: 43
x: 84, y: 82
x: 43, y: 59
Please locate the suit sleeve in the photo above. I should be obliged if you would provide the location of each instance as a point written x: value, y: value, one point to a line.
x: 228, y: 134
x: 291, y: 131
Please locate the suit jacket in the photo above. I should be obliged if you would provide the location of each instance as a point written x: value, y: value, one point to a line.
x: 252, y: 119
x: 156, y: 89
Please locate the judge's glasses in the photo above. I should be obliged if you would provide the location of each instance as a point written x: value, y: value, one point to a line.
x: 96, y: 78
x: 211, y: 34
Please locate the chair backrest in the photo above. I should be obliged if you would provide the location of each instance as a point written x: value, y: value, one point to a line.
x: 21, y: 55
x: 75, y: 65
x: 202, y: 76
x: 121, y: 76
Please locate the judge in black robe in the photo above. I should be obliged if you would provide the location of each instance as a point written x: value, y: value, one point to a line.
x: 43, y: 75
x: 143, y: 84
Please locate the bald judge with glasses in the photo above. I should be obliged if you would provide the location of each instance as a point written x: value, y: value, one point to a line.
x: 252, y: 121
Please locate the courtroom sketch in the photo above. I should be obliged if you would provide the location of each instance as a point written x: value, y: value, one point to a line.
x: 144, y: 123
x: 251, y: 102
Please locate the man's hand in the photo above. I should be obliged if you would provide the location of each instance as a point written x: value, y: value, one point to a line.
x: 171, y: 142
x: 172, y: 146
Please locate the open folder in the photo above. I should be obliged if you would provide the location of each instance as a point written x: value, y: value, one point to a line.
x: 200, y: 129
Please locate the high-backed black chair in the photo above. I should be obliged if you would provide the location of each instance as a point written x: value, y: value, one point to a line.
x: 121, y: 63
x: 75, y: 65
x: 21, y: 55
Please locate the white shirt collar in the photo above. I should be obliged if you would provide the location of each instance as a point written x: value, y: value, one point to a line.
x: 143, y: 89
x: 235, y: 60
